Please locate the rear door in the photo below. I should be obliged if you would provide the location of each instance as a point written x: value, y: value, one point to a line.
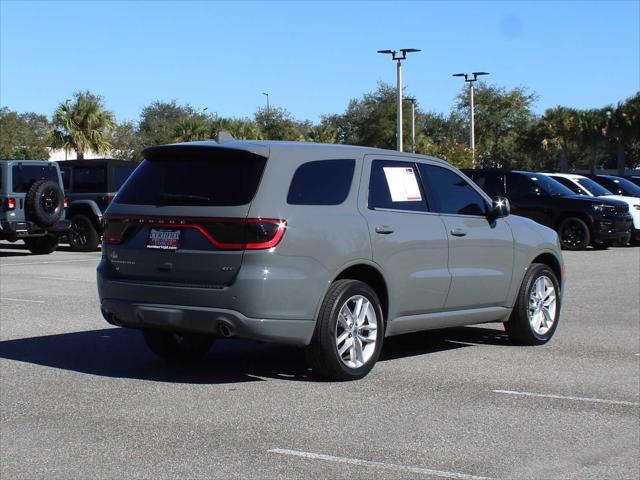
x: 408, y: 241
x: 23, y: 175
x: 528, y: 199
x: 181, y: 217
x: 480, y: 252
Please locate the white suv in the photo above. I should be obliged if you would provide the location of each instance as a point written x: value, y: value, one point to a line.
x: 585, y: 186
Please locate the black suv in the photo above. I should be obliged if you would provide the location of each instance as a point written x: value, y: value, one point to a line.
x: 90, y: 185
x: 32, y: 204
x: 617, y: 185
x: 580, y: 221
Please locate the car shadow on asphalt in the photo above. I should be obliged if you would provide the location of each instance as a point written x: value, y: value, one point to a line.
x: 121, y: 353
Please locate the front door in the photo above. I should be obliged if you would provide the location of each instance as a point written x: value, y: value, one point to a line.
x: 408, y: 241
x: 480, y: 252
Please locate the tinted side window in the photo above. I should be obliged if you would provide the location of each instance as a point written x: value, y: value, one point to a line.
x: 323, y: 182
x: 493, y: 185
x: 395, y: 185
x: 119, y: 175
x: 89, y: 179
x: 570, y: 185
x: 451, y: 193
x: 25, y: 175
x: 66, y: 177
x: 519, y: 185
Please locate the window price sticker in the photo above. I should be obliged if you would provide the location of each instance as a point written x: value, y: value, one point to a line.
x: 403, y: 184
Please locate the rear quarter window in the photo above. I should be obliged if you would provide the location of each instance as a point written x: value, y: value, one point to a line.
x: 119, y: 175
x: 89, y: 179
x: 321, y: 182
x: 26, y: 175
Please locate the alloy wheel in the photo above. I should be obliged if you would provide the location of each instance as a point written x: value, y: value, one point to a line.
x: 542, y: 305
x: 356, y: 331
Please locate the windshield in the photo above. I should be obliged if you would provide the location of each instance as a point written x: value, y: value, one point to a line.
x: 550, y: 186
x: 595, y: 188
x: 629, y: 188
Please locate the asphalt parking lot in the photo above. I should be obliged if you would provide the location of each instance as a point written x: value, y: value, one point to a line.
x: 81, y: 399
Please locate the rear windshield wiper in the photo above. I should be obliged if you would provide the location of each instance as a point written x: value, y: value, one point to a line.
x: 184, y: 197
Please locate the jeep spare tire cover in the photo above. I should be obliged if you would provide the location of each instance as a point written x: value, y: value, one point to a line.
x: 44, y: 203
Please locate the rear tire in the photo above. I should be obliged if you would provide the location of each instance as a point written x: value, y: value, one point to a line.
x: 173, y: 346
x: 574, y: 234
x: 535, y: 316
x: 42, y: 245
x: 349, y: 332
x: 83, y: 236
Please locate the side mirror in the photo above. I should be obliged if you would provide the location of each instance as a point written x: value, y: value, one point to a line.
x: 499, y: 209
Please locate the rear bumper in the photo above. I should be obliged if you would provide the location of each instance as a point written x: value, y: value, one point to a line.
x: 180, y: 318
x: 10, y: 229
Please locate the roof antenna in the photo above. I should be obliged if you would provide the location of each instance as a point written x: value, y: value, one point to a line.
x: 224, y: 137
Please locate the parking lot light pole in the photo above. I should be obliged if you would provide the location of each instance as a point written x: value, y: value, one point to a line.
x: 413, y: 124
x: 472, y: 136
x: 398, y: 57
x: 266, y: 94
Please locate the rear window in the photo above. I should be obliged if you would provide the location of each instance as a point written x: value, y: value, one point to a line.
x: 66, y: 177
x: 26, y: 175
x: 89, y: 179
x: 323, y: 182
x: 119, y: 175
x: 227, y: 181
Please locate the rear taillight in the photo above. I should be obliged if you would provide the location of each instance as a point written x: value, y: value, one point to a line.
x: 66, y: 202
x: 11, y: 203
x: 110, y: 198
x: 222, y: 233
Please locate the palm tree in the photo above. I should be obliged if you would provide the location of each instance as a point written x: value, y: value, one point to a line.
x: 192, y: 129
x: 559, y: 126
x: 82, y: 124
x: 591, y: 129
x: 623, y: 124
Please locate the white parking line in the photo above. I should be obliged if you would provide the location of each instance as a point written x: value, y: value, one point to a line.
x: 66, y: 279
x: 4, y: 265
x: 562, y: 397
x: 368, y: 463
x: 20, y: 300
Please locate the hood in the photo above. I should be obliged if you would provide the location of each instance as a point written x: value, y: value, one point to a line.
x: 631, y: 201
x: 584, y: 200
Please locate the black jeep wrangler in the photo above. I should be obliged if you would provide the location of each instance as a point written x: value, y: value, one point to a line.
x: 32, y: 204
x: 90, y: 185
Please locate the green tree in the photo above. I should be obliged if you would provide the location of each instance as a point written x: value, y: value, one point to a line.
x: 23, y: 136
x: 82, y: 124
x: 278, y: 124
x: 192, y: 129
x: 591, y: 126
x: 500, y: 116
x: 559, y: 127
x: 125, y: 142
x: 623, y: 127
x: 240, y: 128
x: 159, y: 122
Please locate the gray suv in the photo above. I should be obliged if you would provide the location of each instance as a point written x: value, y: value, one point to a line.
x: 32, y: 204
x: 328, y: 247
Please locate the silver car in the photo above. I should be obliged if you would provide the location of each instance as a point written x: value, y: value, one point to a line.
x: 327, y: 247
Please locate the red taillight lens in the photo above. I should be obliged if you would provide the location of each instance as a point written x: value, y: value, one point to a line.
x: 66, y: 202
x: 11, y: 203
x: 222, y: 233
x: 110, y: 198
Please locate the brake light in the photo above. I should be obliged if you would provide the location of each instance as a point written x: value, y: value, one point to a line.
x: 110, y: 198
x: 222, y: 233
x: 11, y: 203
x: 66, y: 202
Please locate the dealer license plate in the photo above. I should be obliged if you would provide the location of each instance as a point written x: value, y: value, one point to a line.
x: 164, y: 239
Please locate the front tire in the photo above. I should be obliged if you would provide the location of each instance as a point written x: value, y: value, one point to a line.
x: 42, y: 245
x: 574, y: 234
x: 173, y: 346
x: 349, y: 332
x: 83, y: 236
x: 535, y: 316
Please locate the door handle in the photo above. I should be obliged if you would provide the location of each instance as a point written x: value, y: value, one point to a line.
x: 458, y: 232
x: 384, y: 230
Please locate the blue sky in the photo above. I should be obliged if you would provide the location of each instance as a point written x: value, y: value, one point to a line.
x: 311, y: 56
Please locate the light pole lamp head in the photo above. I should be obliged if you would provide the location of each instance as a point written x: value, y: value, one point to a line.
x: 478, y: 74
x: 394, y: 53
x: 464, y: 75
